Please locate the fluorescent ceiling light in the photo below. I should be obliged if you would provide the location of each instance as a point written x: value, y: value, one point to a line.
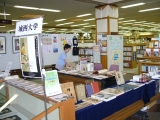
x: 26, y: 7
x: 4, y: 14
x: 60, y: 24
x: 148, y: 9
x: 60, y: 20
x: 120, y: 18
x: 89, y: 19
x: 51, y: 29
x: 136, y: 24
x: 64, y: 29
x: 11, y: 30
x: 132, y: 5
x: 45, y: 23
x: 17, y: 20
x: 68, y: 23
x: 2, y: 26
x: 50, y: 10
x: 86, y: 26
x: 75, y: 25
x: 84, y: 15
x: 140, y: 22
x: 128, y: 21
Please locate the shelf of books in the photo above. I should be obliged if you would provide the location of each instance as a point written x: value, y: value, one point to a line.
x: 129, y: 56
x: 152, y: 50
x: 86, y: 52
x: 141, y: 48
x: 146, y: 66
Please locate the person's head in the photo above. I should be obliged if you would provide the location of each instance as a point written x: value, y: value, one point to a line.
x: 67, y: 47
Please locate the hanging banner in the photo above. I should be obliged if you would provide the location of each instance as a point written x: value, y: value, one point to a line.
x: 28, y: 27
x: 115, y: 50
x: 29, y: 56
x: 96, y: 54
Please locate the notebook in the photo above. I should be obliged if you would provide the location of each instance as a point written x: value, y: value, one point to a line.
x: 89, y: 90
x: 95, y: 87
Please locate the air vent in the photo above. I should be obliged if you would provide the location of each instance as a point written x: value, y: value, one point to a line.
x: 31, y: 16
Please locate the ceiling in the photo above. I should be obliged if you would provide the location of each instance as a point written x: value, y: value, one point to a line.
x: 71, y: 8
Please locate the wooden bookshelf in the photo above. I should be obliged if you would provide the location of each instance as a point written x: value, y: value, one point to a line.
x: 140, y: 49
x: 129, y: 56
x: 147, y: 66
x: 86, y: 52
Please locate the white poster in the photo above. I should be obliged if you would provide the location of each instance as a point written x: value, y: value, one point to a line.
x: 29, y: 56
x: 27, y: 27
x: 115, y: 50
x: 47, y: 44
x: 96, y: 54
x: 69, y: 41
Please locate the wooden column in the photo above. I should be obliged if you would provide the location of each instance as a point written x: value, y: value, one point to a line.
x: 107, y: 23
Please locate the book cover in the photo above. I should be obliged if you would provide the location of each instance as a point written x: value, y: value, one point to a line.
x: 119, y: 78
x: 113, y: 91
x: 103, y: 96
x: 150, y: 45
x: 52, y: 83
x: 68, y: 88
x: 95, y: 87
x: 148, y: 52
x: 89, y: 90
x: 156, y: 45
x: 80, y: 91
x: 156, y: 52
x: 92, y: 100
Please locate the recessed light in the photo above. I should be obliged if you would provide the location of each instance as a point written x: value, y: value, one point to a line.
x: 60, y: 20
x: 132, y: 5
x: 50, y: 10
x: 149, y: 9
x: 84, y: 15
x: 26, y: 7
x: 4, y: 14
x: 89, y: 19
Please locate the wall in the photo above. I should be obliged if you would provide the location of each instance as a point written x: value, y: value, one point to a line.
x: 9, y: 56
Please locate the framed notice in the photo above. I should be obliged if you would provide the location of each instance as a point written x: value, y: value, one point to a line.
x: 29, y: 56
x: 2, y: 45
x: 15, y: 44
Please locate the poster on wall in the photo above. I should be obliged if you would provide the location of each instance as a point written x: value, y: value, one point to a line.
x: 96, y: 54
x: 15, y: 44
x: 29, y: 56
x: 2, y: 45
x: 52, y: 83
x: 55, y: 43
x: 102, y: 41
x: 115, y: 50
x: 47, y: 44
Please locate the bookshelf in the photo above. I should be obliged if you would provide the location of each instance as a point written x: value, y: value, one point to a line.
x: 129, y: 56
x: 86, y: 52
x: 146, y: 66
x: 140, y: 49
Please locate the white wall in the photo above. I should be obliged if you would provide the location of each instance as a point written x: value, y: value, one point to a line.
x: 9, y: 56
x: 48, y: 58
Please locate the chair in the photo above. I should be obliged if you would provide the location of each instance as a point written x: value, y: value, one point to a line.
x: 114, y: 67
x: 7, y: 70
x: 97, y: 66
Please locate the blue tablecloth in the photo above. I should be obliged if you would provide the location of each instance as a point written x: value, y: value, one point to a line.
x: 104, y: 109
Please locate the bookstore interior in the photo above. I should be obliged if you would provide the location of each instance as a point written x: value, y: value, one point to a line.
x: 111, y: 69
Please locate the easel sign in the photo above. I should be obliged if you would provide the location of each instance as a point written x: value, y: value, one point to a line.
x: 29, y: 31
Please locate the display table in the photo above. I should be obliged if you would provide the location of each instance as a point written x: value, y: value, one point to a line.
x: 122, y: 106
x: 76, y: 79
